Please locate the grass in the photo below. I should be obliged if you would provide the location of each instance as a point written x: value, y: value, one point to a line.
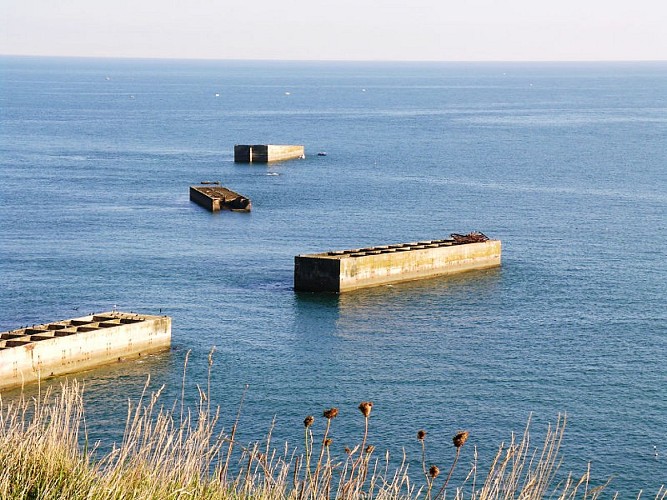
x: 178, y: 452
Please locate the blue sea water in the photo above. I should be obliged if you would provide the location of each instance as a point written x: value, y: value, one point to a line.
x: 565, y: 163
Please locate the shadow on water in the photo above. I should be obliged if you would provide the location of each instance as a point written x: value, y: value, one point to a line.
x: 482, y: 282
x: 315, y: 308
x: 395, y: 308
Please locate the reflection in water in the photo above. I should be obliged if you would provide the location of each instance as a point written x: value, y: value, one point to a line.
x: 106, y: 392
x: 375, y: 300
x: 397, y: 311
x: 367, y: 303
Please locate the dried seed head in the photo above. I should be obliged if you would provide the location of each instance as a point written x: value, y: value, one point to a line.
x: 421, y: 434
x: 348, y: 450
x: 331, y: 413
x: 308, y: 421
x: 365, y: 407
x: 460, y: 438
x: 433, y: 471
x: 370, y: 449
x: 328, y: 442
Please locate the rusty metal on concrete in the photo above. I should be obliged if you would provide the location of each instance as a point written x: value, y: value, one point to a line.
x: 472, y: 237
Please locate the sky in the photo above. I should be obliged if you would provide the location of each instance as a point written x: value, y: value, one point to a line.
x: 385, y: 30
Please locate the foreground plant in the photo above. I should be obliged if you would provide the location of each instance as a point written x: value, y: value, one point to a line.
x: 166, y: 454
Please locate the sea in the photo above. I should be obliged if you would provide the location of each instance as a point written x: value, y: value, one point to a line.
x: 566, y: 163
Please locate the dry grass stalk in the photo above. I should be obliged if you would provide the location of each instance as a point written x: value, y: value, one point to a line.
x: 166, y: 454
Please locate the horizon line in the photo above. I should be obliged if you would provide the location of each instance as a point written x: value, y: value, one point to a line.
x: 400, y: 61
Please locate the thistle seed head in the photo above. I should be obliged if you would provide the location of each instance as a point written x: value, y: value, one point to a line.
x: 460, y: 438
x: 370, y: 449
x: 347, y: 450
x: 365, y: 407
x: 433, y: 471
x: 421, y: 434
x: 330, y: 413
x: 308, y: 421
x: 328, y: 442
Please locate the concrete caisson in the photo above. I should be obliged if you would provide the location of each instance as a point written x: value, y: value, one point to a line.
x: 265, y: 153
x: 215, y: 198
x: 39, y: 352
x: 345, y: 270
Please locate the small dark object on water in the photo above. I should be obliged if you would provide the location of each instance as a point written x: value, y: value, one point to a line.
x: 322, y: 153
x: 216, y: 183
x: 472, y: 237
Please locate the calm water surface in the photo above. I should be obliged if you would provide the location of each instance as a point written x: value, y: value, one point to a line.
x: 565, y: 163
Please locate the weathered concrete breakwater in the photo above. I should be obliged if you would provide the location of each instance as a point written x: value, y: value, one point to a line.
x: 265, y: 153
x: 52, y: 349
x: 345, y: 270
x: 215, y: 198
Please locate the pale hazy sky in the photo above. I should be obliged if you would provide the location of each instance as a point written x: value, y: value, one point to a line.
x: 442, y: 30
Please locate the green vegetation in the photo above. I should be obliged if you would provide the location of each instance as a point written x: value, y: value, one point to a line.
x: 177, y: 453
